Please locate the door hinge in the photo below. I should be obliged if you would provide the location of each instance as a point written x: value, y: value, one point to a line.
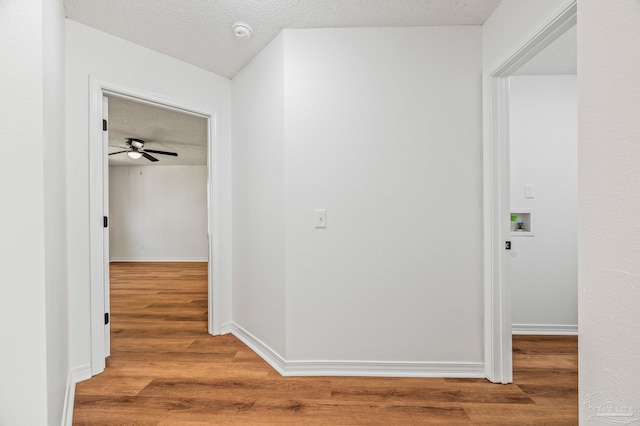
x: 106, y: 318
x: 507, y: 245
x: 105, y: 221
x: 104, y: 125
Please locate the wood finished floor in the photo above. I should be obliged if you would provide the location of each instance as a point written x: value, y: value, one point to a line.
x: 165, y: 369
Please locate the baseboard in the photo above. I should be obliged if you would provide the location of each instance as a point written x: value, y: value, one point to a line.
x: 75, y: 375
x: 545, y: 329
x: 263, y: 350
x: 69, y: 399
x: 385, y: 369
x: 158, y: 259
x: 226, y: 328
x: 357, y: 368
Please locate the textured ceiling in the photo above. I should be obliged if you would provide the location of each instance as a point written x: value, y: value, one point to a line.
x: 559, y: 58
x: 161, y: 129
x: 199, y: 31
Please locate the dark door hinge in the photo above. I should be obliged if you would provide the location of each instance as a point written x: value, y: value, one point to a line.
x: 507, y: 245
x: 105, y: 221
x: 106, y: 318
x: 104, y: 125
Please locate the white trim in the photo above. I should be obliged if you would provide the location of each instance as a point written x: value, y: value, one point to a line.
x: 158, y: 259
x: 80, y: 374
x: 69, y: 400
x: 262, y: 349
x: 106, y: 231
x: 357, y: 368
x: 546, y: 329
x: 497, y: 360
x: 75, y: 375
x: 226, y: 328
x: 385, y: 369
x: 214, y: 228
x: 97, y: 88
x: 96, y: 231
x: 497, y: 318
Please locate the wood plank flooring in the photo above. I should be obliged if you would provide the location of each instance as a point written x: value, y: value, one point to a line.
x: 165, y: 369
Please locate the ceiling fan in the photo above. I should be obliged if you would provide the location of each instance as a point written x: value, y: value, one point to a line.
x: 135, y: 149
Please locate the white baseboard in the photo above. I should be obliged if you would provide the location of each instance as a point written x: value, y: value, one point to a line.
x: 226, y: 328
x: 75, y: 375
x: 69, y: 399
x: 385, y: 369
x: 358, y: 368
x: 81, y: 373
x: 264, y: 351
x: 546, y: 329
x: 158, y: 259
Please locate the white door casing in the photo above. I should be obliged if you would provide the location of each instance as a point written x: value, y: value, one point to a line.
x: 98, y: 193
x: 106, y: 226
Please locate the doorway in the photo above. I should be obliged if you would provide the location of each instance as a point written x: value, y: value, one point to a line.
x: 98, y: 172
x: 497, y: 207
x: 543, y: 194
x: 157, y: 202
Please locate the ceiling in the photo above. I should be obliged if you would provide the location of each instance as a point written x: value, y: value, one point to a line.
x: 161, y: 129
x: 200, y: 31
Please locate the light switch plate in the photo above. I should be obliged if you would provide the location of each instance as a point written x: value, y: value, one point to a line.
x: 320, y: 218
x: 528, y: 191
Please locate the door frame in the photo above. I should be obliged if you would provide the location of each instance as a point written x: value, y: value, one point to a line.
x: 97, y: 177
x: 498, y: 365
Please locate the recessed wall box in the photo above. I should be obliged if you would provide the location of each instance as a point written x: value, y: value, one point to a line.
x: 522, y: 223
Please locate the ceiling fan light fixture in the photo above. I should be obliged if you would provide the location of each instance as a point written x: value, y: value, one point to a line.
x: 134, y: 154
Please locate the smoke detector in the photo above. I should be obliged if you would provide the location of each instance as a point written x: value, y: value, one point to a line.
x: 241, y: 30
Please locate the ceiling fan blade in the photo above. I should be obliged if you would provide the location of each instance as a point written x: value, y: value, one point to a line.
x: 175, y: 154
x: 121, y: 147
x: 149, y: 157
x: 118, y: 152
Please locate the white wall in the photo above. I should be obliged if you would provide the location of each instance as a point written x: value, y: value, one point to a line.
x: 93, y: 53
x: 258, y: 197
x: 33, y: 361
x: 608, y: 180
x: 55, y: 201
x: 158, y: 213
x: 383, y: 130
x: 370, y: 129
x: 543, y: 148
x: 22, y: 252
